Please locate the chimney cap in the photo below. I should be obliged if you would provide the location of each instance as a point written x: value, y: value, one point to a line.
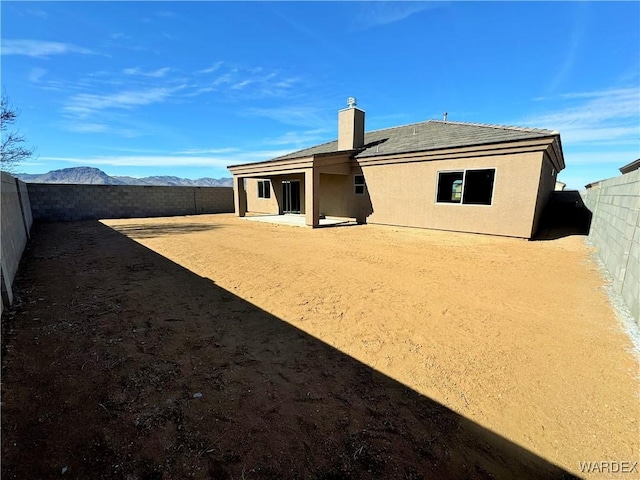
x: 351, y: 102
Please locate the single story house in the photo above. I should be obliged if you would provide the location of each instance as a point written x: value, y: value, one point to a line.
x: 442, y: 175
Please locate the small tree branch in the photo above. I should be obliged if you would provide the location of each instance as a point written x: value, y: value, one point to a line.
x: 12, y: 150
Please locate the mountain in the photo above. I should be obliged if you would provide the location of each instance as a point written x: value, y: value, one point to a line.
x: 95, y: 176
x: 71, y: 175
x: 176, y: 181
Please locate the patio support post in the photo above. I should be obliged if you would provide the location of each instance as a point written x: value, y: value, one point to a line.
x: 239, y: 196
x: 312, y: 197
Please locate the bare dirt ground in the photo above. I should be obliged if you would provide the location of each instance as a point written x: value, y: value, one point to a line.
x: 215, y: 347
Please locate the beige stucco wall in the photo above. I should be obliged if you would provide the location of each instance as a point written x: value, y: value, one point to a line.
x: 402, y: 191
x: 335, y: 197
x: 259, y: 205
x: 338, y: 199
x: 274, y: 204
x: 547, y: 184
x: 405, y: 194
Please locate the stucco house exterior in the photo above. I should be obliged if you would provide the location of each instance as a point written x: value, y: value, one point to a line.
x: 436, y: 174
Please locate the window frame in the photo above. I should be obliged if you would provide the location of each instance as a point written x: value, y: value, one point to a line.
x: 464, y: 182
x: 357, y: 184
x: 265, y: 186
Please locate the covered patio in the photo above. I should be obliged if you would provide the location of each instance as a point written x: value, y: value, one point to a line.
x: 278, y: 202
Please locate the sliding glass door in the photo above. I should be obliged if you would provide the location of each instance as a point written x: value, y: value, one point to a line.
x: 291, y: 196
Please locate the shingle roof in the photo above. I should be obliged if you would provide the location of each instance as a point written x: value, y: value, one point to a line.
x: 630, y: 167
x: 429, y: 135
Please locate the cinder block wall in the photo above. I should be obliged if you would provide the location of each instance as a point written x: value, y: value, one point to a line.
x: 615, y: 232
x: 69, y: 202
x: 16, y: 220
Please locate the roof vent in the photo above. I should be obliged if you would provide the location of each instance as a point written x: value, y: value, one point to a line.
x: 351, y: 102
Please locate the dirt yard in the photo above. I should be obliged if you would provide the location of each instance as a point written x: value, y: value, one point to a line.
x: 216, y: 347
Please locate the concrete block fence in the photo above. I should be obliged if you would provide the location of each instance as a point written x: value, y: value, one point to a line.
x: 22, y: 203
x: 83, y: 202
x: 16, y: 220
x: 615, y: 232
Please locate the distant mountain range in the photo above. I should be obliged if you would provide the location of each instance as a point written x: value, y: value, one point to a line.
x: 95, y: 176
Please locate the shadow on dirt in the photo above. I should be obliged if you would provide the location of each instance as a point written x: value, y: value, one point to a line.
x: 122, y: 364
x: 565, y: 215
x: 141, y: 230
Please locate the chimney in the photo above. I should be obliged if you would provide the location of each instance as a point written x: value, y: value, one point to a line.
x: 350, y: 126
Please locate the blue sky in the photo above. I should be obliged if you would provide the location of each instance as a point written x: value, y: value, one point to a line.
x: 187, y: 88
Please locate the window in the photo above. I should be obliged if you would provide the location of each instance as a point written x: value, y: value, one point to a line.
x: 469, y: 187
x: 264, y: 189
x: 358, y: 184
x: 450, y: 187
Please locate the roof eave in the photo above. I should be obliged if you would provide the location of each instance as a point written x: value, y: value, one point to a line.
x: 282, y: 166
x: 466, y: 146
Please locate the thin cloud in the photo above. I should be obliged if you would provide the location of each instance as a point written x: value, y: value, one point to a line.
x: 603, y: 106
x: 165, y: 14
x: 105, y: 102
x: 601, y: 93
x: 216, y: 66
x: 286, y: 83
x: 36, y: 74
x: 143, y: 161
x: 575, y: 44
x: 257, y: 155
x: 38, y: 48
x: 598, y: 116
x: 32, y: 164
x: 89, y: 128
x: 299, y: 138
x: 222, y: 79
x: 100, y: 126
x: 168, y: 35
x: 616, y: 158
x: 119, y: 36
x: 249, y: 82
x: 201, y: 151
x: 241, y: 85
x: 159, y: 73
x: 601, y: 135
x: 307, y: 115
x: 322, y: 41
x: 37, y: 13
x: 85, y: 103
x: 172, y: 160
x: 373, y: 14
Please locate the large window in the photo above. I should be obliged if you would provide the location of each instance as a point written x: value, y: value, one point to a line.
x: 469, y: 187
x: 264, y: 189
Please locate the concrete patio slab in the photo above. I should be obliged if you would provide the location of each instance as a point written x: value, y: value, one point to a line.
x: 298, y: 220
